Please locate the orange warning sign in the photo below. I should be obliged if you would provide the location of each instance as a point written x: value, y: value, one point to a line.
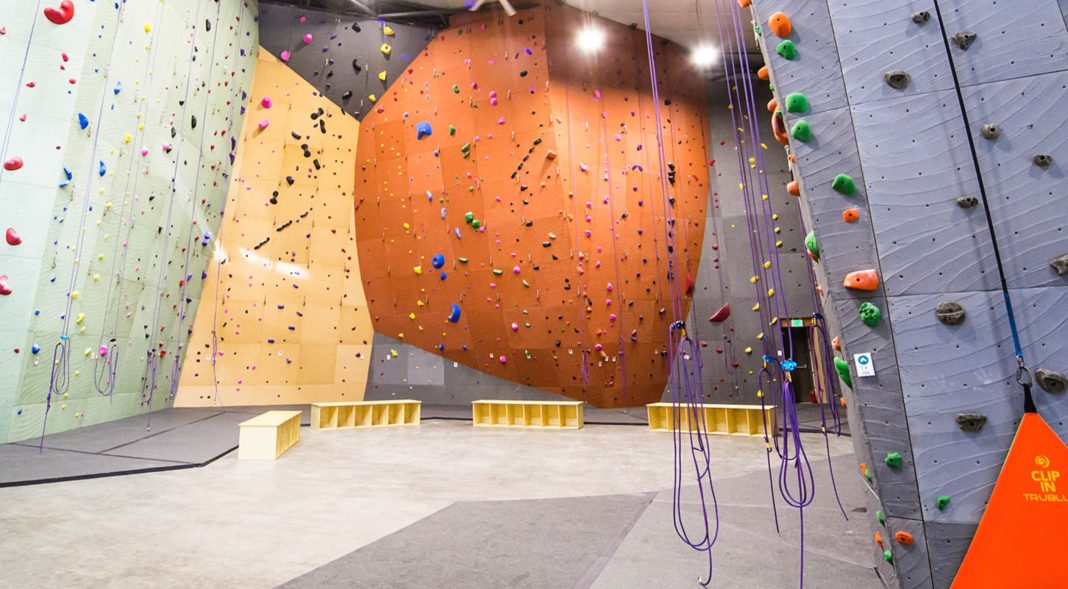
x: 1020, y: 541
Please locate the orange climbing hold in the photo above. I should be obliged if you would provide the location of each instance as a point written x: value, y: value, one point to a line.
x: 744, y: 3
x: 903, y: 538
x: 793, y: 188
x: 836, y: 344
x: 862, y: 280
x: 878, y: 538
x: 779, y: 25
x: 1020, y: 541
x: 778, y: 126
x: 762, y: 73
x: 773, y: 105
x: 851, y: 215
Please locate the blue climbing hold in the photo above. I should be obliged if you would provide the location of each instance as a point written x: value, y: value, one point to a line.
x: 83, y: 121
x: 443, y: 276
x: 422, y: 129
x: 35, y: 348
x: 788, y: 365
x: 103, y: 168
x: 429, y: 196
x: 118, y: 87
x: 437, y: 261
x: 454, y: 316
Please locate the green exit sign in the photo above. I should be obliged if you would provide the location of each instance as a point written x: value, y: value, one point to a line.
x: 797, y: 323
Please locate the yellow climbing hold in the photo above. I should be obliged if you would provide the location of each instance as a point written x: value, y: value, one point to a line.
x: 778, y: 243
x: 754, y: 279
x: 382, y: 75
x: 760, y: 336
x: 417, y: 269
x: 74, y: 295
x: 411, y: 316
x: 756, y: 307
x: 372, y: 98
x: 148, y: 27
x: 771, y: 292
x: 407, y: 226
x: 385, y: 49
x: 749, y: 350
x: 393, y: 354
x: 767, y: 265
x: 388, y: 30
x: 80, y: 318
x: 127, y: 138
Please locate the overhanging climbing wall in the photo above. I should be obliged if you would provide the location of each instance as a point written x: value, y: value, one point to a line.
x: 940, y: 412
x: 286, y: 307
x: 509, y: 210
x: 116, y: 138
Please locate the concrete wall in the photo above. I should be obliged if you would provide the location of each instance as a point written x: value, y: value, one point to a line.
x: 908, y: 151
x: 112, y: 257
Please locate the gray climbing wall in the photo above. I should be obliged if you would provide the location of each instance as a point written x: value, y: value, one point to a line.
x: 908, y: 151
x: 344, y: 56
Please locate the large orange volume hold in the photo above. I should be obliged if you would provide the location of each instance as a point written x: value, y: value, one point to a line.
x: 862, y: 280
x: 779, y: 24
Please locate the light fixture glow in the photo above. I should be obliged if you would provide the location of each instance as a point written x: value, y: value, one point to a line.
x: 705, y: 55
x: 590, y: 39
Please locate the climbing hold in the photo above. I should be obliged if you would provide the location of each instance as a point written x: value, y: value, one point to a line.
x: 941, y: 502
x: 921, y: 17
x: 417, y: 269
x: 721, y: 314
x: 778, y: 127
x: 813, y: 246
x: 284, y: 56
x: 422, y: 129
x: 12, y: 237
x: 454, y: 315
x: 307, y: 38
x: 387, y: 30
x: 13, y: 164
x: 1043, y: 160
x: 264, y: 124
x: 793, y: 188
x: 897, y: 79
x: 836, y: 343
x: 61, y: 15
x: 878, y: 537
x: 842, y: 368
x: 744, y: 3
x: 801, y: 131
x: 889, y: 556
x: 4, y: 288
x: 862, y: 280
x: 970, y: 422
x: 762, y: 73
x: 83, y: 121
x: 880, y: 517
x: 385, y: 49
x: 266, y: 102
x: 851, y: 215
x: 102, y: 168
x: 893, y: 459
x: 437, y: 261
x: 903, y: 538
x: 796, y: 102
x: 950, y: 313
x: 382, y: 75
x: 990, y: 131
x: 786, y: 50
x: 1060, y: 265
x: 864, y: 470
x: 967, y: 202
x: 870, y: 314
x: 1051, y: 381
x: 963, y: 39
x: 844, y: 184
x: 779, y: 25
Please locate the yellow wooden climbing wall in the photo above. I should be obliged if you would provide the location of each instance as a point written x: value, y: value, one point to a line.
x: 288, y: 310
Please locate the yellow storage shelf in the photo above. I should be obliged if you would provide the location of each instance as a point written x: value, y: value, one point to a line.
x: 356, y: 414
x: 540, y: 414
x: 738, y: 420
x: 267, y: 436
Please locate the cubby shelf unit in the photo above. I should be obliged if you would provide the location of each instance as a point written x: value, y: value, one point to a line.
x: 360, y: 414
x: 267, y: 436
x: 538, y: 414
x: 736, y: 420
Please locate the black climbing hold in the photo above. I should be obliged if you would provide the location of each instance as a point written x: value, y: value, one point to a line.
x: 356, y: 27
x: 964, y: 39
x: 950, y: 313
x: 1051, y: 381
x: 971, y: 422
x: 921, y: 17
x: 347, y: 95
x: 897, y: 79
x: 207, y: 25
x: 357, y: 66
x: 295, y: 135
x: 967, y: 202
x: 1060, y: 265
x: 667, y: 102
x: 290, y: 180
x: 990, y: 131
x: 193, y: 120
x: 1043, y: 160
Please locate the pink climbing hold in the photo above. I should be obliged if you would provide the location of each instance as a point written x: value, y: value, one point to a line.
x: 61, y: 15
x: 515, y: 270
x: 284, y: 56
x: 264, y: 123
x: 144, y: 151
x: 503, y: 359
x: 515, y: 326
x: 12, y: 237
x: 308, y: 38
x: 4, y: 288
x: 266, y: 102
x: 103, y: 351
x: 721, y: 314
x: 13, y: 164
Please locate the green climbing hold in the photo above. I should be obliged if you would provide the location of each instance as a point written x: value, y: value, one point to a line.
x: 801, y: 131
x: 476, y: 223
x: 842, y: 367
x: 462, y: 260
x: 452, y: 130
x: 796, y: 102
x: 497, y: 271
x: 466, y: 147
x: 787, y: 50
x: 757, y: 30
x: 889, y: 556
x: 468, y: 217
x: 893, y: 460
x: 942, y: 502
x: 867, y: 473
x: 456, y: 89
x: 879, y: 516
x: 844, y: 184
x: 812, y: 245
x: 870, y: 314
x: 772, y: 88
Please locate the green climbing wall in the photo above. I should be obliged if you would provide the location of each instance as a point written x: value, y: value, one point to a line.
x: 121, y: 117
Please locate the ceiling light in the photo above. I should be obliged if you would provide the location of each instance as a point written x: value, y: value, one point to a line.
x: 705, y: 55
x: 590, y: 39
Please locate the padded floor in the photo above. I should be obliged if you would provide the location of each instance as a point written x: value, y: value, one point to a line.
x: 525, y: 543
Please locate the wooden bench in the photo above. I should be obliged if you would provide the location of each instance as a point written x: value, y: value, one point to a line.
x: 357, y: 414
x: 541, y: 414
x: 267, y: 436
x: 739, y: 420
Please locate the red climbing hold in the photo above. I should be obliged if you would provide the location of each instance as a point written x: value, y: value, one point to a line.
x: 12, y: 236
x: 837, y: 344
x: 862, y: 280
x: 721, y: 314
x: 793, y: 188
x: 13, y: 164
x: 61, y: 15
x: 4, y: 288
x: 689, y: 284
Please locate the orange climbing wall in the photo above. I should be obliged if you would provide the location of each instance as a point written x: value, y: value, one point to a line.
x: 289, y: 310
x: 563, y: 176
